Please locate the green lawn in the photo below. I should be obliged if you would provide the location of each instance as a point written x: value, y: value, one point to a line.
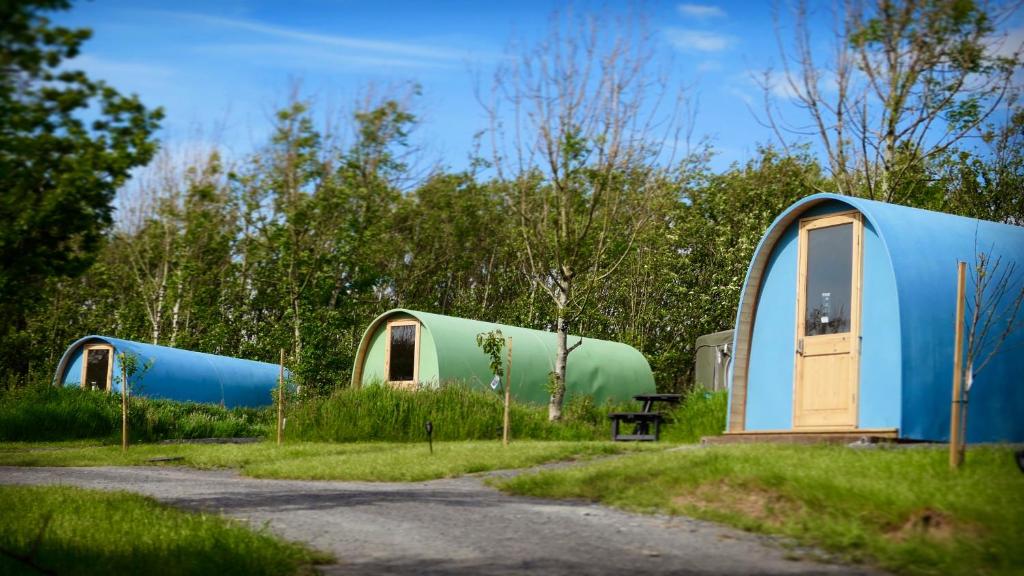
x: 900, y: 508
x: 386, y: 462
x: 76, y: 531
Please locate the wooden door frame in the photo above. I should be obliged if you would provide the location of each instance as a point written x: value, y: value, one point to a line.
x: 416, y: 354
x: 110, y: 364
x: 856, y: 305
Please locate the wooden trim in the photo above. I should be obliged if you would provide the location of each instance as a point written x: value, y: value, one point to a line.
x: 857, y: 261
x: 843, y: 436
x: 110, y: 363
x: 824, y: 430
x: 416, y: 353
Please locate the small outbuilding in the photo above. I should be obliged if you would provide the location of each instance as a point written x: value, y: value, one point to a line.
x: 712, y: 358
x: 161, y: 372
x: 846, y: 324
x: 411, y: 349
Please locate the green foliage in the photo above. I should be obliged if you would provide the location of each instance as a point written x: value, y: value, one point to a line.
x: 70, y: 530
x: 42, y: 412
x: 901, y: 508
x: 68, y: 143
x: 492, y: 343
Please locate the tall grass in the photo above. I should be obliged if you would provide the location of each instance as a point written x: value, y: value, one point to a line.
x: 700, y: 414
x: 371, y: 413
x: 382, y: 413
x: 41, y: 413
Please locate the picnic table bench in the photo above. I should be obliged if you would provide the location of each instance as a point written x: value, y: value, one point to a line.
x: 642, y: 420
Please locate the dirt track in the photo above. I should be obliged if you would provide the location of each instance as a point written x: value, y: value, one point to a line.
x: 457, y: 526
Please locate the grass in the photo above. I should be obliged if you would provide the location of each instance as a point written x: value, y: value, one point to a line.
x: 384, y: 462
x: 382, y: 413
x: 42, y: 412
x: 371, y: 413
x: 77, y: 531
x: 900, y: 508
x: 700, y: 414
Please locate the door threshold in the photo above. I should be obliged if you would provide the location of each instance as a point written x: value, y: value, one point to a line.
x: 804, y: 436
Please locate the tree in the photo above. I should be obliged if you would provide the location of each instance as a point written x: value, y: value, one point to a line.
x: 993, y: 323
x: 710, y: 242
x: 60, y: 169
x: 987, y: 184
x: 573, y: 127
x: 905, y: 81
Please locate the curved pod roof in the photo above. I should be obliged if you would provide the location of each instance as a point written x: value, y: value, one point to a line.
x: 448, y: 352
x: 177, y: 374
x: 914, y: 254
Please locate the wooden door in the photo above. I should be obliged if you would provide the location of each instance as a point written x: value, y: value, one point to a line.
x: 828, y: 322
x: 402, y: 353
x: 97, y: 364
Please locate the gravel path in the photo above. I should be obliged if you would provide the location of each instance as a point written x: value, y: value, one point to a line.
x: 457, y: 526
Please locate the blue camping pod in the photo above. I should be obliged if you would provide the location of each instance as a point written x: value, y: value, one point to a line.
x: 162, y: 372
x: 846, y: 325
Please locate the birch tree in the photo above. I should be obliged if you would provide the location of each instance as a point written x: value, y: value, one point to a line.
x: 574, y: 119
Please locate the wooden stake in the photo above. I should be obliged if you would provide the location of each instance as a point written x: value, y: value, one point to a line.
x: 124, y: 407
x: 280, y: 401
x: 955, y: 455
x: 508, y: 393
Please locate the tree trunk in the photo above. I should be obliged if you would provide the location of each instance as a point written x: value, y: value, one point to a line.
x: 158, y: 308
x: 561, y: 358
x: 175, y: 315
x: 297, y: 326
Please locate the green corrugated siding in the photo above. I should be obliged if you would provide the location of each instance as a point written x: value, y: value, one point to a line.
x: 598, y: 368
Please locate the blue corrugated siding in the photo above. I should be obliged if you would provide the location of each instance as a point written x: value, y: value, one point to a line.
x: 770, y: 384
x: 182, y: 375
x: 881, y: 371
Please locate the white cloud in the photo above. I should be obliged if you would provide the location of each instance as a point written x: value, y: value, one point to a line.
x: 700, y: 11
x: 106, y: 68
x: 690, y: 40
x: 359, y: 49
x: 780, y: 85
x: 290, y: 56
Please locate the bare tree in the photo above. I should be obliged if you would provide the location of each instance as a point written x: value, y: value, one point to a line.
x: 994, y: 319
x: 576, y: 132
x: 902, y: 82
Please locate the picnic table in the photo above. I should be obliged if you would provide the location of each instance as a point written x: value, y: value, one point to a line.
x: 642, y: 420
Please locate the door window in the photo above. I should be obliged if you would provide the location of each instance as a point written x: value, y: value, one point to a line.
x: 402, y: 353
x: 97, y: 368
x: 829, y: 278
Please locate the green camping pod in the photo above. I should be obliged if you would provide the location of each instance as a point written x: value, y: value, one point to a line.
x: 411, y: 349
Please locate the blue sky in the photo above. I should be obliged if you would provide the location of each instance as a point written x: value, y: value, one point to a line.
x: 220, y: 69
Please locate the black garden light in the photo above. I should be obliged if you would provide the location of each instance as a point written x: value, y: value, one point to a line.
x: 430, y: 435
